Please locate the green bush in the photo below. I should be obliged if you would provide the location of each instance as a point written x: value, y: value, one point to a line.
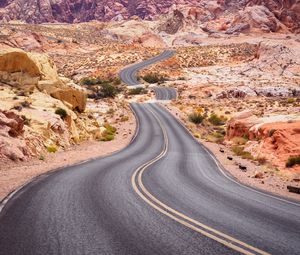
x: 137, y: 91
x: 196, y: 118
x: 216, y: 120
x: 61, y: 112
x: 154, y: 78
x: 109, y: 133
x: 293, y: 161
x: 108, y: 90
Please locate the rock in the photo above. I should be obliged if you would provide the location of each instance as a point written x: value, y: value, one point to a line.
x: 151, y: 40
x: 238, y: 92
x: 238, y: 28
x: 275, y: 138
x: 32, y: 70
x: 257, y: 17
x: 258, y: 175
x: 243, y: 168
x: 173, y: 24
x: 12, y: 126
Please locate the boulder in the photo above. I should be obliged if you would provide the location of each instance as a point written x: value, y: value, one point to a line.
x: 257, y: 17
x: 33, y: 70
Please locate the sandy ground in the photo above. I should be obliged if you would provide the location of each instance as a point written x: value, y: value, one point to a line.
x: 271, y: 181
x: 13, y: 175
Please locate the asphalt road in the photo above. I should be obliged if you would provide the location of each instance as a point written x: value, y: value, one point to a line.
x: 128, y: 75
x: 165, y: 93
x: 163, y: 194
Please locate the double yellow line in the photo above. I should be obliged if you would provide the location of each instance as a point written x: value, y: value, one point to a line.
x: 140, y: 189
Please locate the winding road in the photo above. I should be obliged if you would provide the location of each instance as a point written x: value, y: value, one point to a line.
x: 163, y: 194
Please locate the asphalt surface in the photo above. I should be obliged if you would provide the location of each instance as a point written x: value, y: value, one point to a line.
x: 180, y: 202
x: 128, y: 75
x: 165, y: 93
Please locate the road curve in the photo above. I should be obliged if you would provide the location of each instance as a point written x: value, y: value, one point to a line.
x: 163, y: 194
x: 165, y: 93
x: 128, y: 75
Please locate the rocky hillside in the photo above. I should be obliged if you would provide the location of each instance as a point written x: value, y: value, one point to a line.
x: 272, y: 13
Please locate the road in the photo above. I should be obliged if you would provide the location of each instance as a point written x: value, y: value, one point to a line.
x: 165, y: 93
x: 163, y: 194
x: 129, y: 74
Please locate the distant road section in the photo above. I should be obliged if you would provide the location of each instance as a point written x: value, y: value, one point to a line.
x: 129, y: 74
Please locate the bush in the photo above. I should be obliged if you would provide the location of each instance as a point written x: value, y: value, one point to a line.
x: 216, y: 120
x: 109, y: 133
x: 61, y: 112
x: 42, y: 158
x: 196, y: 118
x: 124, y: 118
x: 52, y: 149
x: 137, y: 91
x: 292, y: 161
x: 107, y: 90
x: 291, y: 100
x: 239, y: 140
x: 154, y: 78
x: 239, y: 151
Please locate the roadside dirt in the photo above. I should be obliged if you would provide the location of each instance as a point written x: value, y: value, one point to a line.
x: 15, y: 174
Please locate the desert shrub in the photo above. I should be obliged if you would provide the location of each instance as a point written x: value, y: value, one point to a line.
x: 116, y: 81
x: 89, y: 81
x: 261, y: 160
x: 196, y: 118
x: 292, y: 161
x: 124, y: 118
x: 290, y: 100
x: 239, y: 151
x: 154, y: 78
x: 109, y: 133
x: 61, y: 112
x: 42, y: 157
x: 25, y: 104
x: 108, y: 90
x: 239, y: 140
x: 216, y: 120
x: 52, y: 149
x: 218, y: 137
x: 137, y: 91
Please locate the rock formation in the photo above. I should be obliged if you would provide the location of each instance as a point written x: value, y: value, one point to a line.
x: 30, y: 70
x: 268, y: 12
x: 275, y: 138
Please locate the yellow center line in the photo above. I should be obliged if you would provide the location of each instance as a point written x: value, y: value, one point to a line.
x: 165, y: 209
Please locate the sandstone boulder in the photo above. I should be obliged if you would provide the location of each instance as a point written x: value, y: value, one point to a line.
x: 32, y: 70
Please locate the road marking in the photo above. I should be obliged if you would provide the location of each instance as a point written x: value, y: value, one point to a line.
x: 140, y: 189
x: 225, y: 174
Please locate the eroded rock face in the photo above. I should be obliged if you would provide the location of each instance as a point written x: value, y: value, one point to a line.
x: 32, y: 70
x: 275, y: 138
x: 38, y: 11
x: 12, y: 126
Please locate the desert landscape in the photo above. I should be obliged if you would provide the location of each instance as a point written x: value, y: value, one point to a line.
x: 235, y: 69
